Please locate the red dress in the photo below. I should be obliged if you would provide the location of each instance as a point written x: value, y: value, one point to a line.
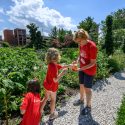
x: 31, y: 104
x: 52, y: 72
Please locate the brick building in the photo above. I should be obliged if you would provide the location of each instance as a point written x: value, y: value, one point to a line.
x: 16, y: 37
x: 8, y: 36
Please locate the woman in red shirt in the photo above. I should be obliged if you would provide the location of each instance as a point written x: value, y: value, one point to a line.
x: 31, y: 104
x: 87, y: 70
x: 51, y: 81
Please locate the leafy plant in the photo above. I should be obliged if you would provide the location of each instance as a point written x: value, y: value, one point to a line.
x: 102, y: 65
x: 121, y: 113
x: 5, y: 44
x: 116, y: 62
x: 16, y: 67
x: 61, y: 90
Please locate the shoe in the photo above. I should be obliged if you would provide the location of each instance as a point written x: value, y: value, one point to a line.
x: 53, y: 115
x: 78, y: 102
x: 86, y: 111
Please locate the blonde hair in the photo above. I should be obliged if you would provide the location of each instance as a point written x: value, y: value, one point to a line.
x: 81, y: 33
x: 52, y: 54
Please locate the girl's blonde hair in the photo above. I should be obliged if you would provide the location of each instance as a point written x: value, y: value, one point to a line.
x: 82, y: 34
x: 52, y: 54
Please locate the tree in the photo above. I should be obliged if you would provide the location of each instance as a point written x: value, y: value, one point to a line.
x: 35, y: 37
x: 118, y: 26
x: 40, y: 42
x: 61, y: 35
x: 54, y: 33
x: 91, y: 27
x: 119, y: 19
x: 109, y: 36
x: 118, y: 38
x: 32, y: 30
x: 123, y: 48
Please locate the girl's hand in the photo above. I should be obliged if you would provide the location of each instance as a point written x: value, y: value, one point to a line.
x: 64, y: 70
x: 41, y: 111
x: 78, y: 69
x: 75, y: 67
x: 74, y: 62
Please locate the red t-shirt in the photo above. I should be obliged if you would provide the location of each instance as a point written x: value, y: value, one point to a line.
x: 52, y: 72
x: 88, y: 52
x: 31, y: 103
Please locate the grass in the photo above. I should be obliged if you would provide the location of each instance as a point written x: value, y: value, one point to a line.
x: 121, y: 114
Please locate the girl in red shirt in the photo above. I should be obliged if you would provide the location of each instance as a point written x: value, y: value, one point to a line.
x: 51, y: 81
x: 31, y: 104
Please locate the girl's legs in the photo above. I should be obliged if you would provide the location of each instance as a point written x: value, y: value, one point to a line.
x: 53, y: 102
x: 45, y: 99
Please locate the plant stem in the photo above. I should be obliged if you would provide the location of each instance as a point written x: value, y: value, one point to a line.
x: 6, y: 112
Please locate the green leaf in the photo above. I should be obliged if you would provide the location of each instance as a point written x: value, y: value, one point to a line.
x: 20, y: 86
x: 8, y: 83
x: 3, y: 91
x: 14, y: 105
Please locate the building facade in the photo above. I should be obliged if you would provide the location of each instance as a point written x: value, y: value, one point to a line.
x: 8, y: 36
x: 0, y: 38
x: 20, y: 36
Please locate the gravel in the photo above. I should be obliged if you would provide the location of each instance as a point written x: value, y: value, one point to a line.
x: 107, y: 96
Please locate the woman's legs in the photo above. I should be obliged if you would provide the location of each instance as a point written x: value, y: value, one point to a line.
x: 82, y: 92
x: 88, y: 92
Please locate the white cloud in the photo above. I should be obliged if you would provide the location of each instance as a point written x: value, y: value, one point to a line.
x: 24, y: 12
x: 1, y: 10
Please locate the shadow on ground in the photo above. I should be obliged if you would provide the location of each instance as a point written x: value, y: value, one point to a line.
x: 50, y: 122
x: 119, y: 76
x: 100, y: 85
x: 86, y: 119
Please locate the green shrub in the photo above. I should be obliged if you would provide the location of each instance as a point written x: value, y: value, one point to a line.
x: 102, y: 65
x: 120, y: 120
x: 61, y: 90
x: 70, y: 80
x: 16, y: 68
x: 70, y: 53
x: 113, y: 65
x: 5, y: 44
x: 116, y: 62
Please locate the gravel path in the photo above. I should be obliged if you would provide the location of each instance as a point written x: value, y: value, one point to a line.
x: 107, y: 96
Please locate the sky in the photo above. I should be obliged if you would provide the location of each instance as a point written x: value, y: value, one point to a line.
x: 49, y: 13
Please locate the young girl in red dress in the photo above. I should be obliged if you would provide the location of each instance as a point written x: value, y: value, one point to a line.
x: 31, y: 104
x: 51, y: 81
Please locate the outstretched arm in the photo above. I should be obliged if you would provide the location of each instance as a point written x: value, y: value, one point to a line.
x: 76, y: 61
x: 60, y: 75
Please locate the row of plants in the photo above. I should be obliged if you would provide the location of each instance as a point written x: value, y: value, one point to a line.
x: 16, y: 68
